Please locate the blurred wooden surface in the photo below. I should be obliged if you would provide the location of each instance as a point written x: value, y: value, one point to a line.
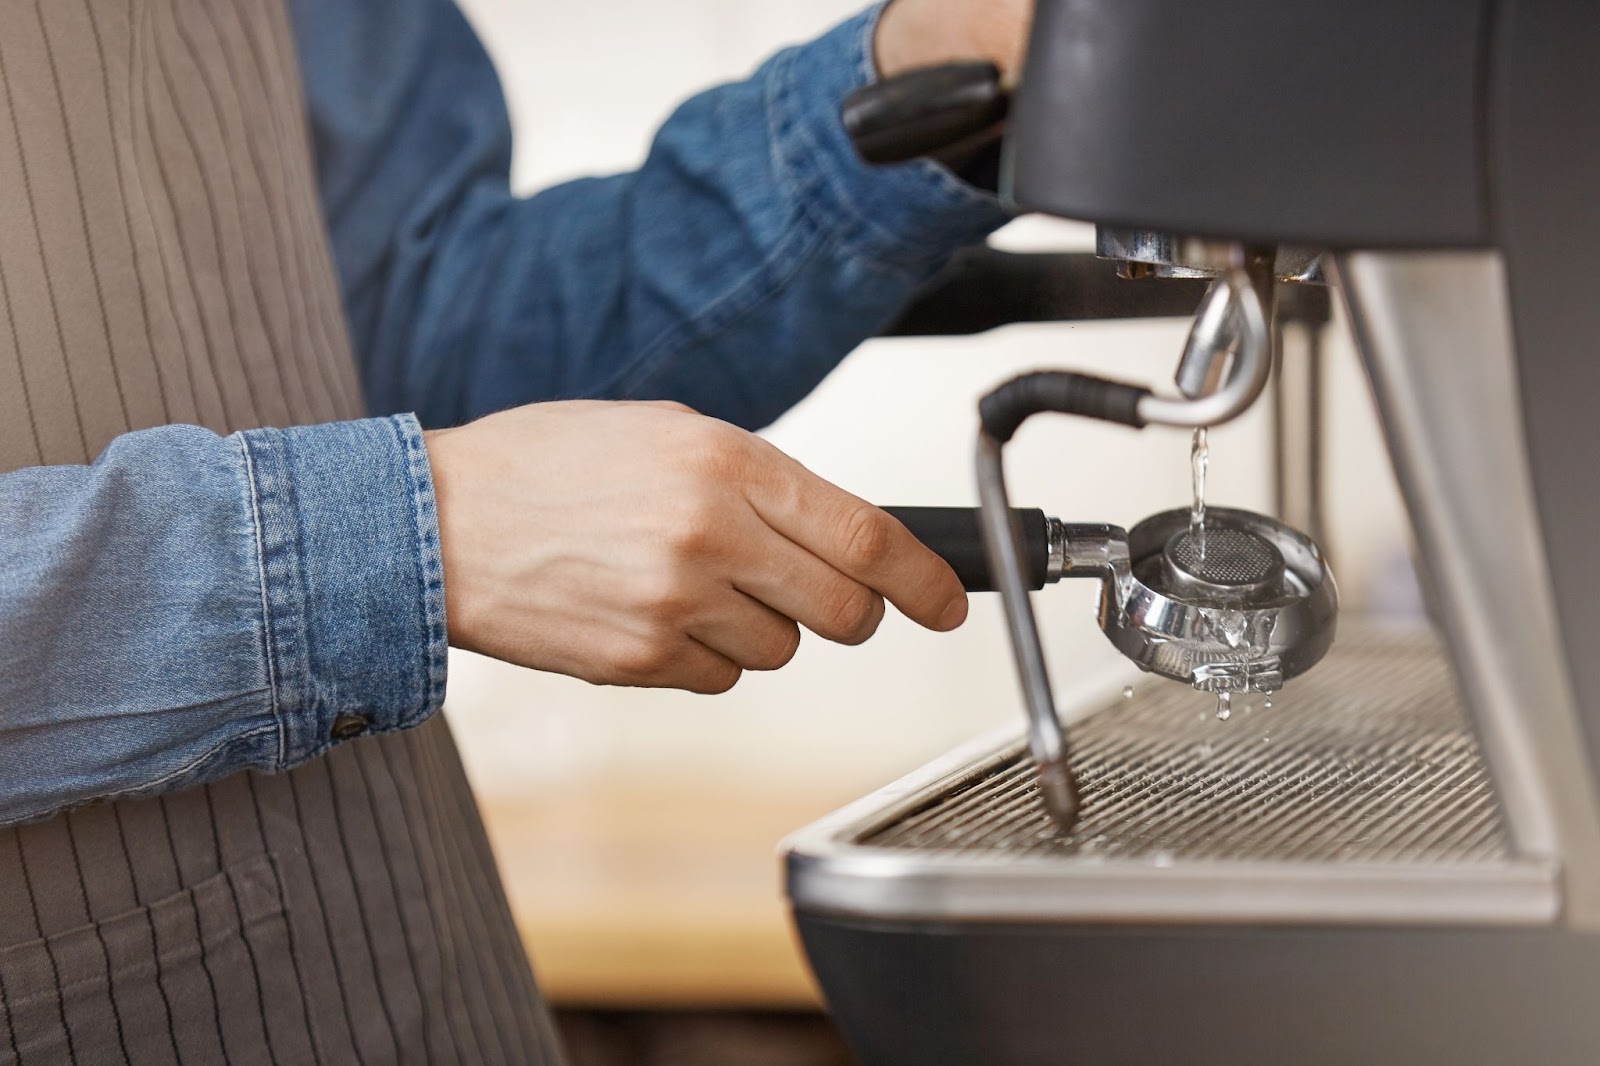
x: 667, y: 894
x: 701, y: 1038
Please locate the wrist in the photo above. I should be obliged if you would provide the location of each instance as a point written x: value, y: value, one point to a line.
x: 923, y: 33
x: 901, y: 40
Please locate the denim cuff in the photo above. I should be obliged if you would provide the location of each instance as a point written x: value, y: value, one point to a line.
x: 911, y: 215
x: 351, y: 577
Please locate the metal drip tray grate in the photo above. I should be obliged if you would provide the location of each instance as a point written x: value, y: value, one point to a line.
x: 1367, y: 758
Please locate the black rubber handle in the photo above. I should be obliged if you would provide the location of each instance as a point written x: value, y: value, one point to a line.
x: 925, y: 112
x: 1003, y: 411
x: 956, y: 535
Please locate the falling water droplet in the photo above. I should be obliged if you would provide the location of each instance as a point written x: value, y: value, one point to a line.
x: 1224, y: 706
x: 1127, y: 692
x: 1267, y: 703
x: 1162, y: 859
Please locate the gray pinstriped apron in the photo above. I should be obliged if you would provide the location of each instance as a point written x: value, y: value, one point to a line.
x: 162, y: 259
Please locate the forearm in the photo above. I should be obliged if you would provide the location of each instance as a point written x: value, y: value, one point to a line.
x: 193, y: 605
x: 732, y: 271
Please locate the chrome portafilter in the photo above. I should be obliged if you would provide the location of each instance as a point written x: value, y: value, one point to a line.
x: 1240, y: 604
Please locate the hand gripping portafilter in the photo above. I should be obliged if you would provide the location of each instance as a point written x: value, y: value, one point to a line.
x: 1241, y: 604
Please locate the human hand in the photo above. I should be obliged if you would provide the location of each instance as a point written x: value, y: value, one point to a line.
x: 643, y: 544
x: 923, y: 33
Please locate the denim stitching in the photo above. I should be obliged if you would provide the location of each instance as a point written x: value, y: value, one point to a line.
x: 804, y: 170
x: 267, y: 627
x: 282, y: 550
x: 435, y: 630
x: 781, y: 119
x: 870, y: 240
x: 310, y: 705
x: 148, y: 787
x: 195, y: 763
x: 956, y: 193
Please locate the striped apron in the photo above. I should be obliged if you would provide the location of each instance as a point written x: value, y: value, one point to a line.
x: 163, y: 259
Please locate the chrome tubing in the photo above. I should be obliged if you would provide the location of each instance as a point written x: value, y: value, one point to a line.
x: 1240, y: 322
x: 1247, y: 315
x: 1002, y: 542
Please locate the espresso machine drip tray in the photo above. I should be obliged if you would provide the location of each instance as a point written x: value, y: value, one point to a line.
x: 1359, y: 795
x: 1366, y: 759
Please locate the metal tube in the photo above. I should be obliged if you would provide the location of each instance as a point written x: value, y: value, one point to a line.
x: 1252, y: 365
x: 1210, y: 341
x: 1003, y: 543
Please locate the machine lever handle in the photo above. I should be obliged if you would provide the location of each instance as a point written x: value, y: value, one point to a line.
x: 925, y: 112
x: 955, y: 534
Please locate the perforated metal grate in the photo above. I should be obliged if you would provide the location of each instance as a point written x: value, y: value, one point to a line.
x: 1225, y: 556
x: 1366, y: 758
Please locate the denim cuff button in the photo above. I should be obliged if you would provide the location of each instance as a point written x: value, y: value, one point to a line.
x: 348, y: 726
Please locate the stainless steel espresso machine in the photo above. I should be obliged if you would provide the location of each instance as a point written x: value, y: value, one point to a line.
x: 1405, y: 869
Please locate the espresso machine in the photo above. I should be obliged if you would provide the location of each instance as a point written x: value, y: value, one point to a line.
x: 1405, y: 867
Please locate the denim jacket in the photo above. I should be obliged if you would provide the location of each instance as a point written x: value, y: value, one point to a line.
x: 191, y: 605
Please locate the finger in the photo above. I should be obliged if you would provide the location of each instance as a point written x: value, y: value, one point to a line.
x: 688, y: 665
x: 700, y: 669
x: 860, y: 541
x: 798, y: 585
x: 748, y: 632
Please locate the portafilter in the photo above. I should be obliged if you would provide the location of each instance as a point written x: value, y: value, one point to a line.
x: 1238, y: 602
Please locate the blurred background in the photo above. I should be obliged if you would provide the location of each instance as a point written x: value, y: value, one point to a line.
x: 638, y: 830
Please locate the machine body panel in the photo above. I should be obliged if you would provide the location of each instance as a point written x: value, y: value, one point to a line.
x: 1352, y: 125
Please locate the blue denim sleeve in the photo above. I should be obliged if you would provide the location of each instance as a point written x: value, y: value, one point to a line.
x: 191, y: 605
x: 732, y: 271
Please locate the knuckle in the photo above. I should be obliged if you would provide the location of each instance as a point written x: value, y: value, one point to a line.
x: 643, y: 662
x: 718, y: 450
x: 853, y: 615
x: 780, y: 651
x: 715, y: 680
x: 864, y: 537
x: 694, y: 527
x: 664, y: 599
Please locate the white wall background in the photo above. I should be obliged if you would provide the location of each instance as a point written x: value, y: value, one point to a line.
x: 587, y: 84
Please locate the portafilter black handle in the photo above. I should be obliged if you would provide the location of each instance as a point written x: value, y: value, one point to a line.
x: 925, y: 112
x: 955, y: 534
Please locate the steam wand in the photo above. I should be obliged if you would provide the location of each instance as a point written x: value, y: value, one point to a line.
x: 1242, y: 329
